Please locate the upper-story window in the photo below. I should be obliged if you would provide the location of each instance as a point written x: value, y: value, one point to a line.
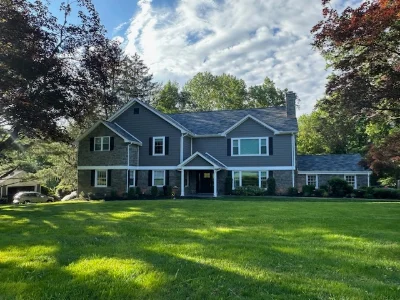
x: 250, y: 146
x: 159, y: 145
x: 102, y: 143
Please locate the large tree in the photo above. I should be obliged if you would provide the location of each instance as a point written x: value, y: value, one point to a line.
x: 266, y: 95
x: 40, y: 82
x: 362, y: 46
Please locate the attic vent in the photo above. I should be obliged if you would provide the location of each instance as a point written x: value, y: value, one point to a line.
x: 136, y: 111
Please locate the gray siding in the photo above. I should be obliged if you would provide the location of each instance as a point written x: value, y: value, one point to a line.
x: 186, y: 147
x: 199, y: 162
x: 146, y: 124
x: 217, y: 147
x: 116, y: 157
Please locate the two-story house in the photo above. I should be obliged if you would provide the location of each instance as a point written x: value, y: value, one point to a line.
x: 140, y: 146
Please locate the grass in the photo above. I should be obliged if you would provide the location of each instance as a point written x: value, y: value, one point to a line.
x: 200, y: 249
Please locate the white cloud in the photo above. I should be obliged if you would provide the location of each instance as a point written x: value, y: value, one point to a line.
x: 250, y: 39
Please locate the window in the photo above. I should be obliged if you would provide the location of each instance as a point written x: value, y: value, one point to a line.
x: 158, y: 178
x: 158, y: 145
x: 250, y: 178
x: 187, y: 180
x: 250, y: 146
x: 101, y: 178
x: 351, y: 180
x: 131, y: 177
x: 102, y: 143
x: 312, y: 180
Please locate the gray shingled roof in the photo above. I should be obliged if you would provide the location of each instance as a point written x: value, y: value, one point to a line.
x: 127, y: 136
x: 330, y: 162
x: 214, y: 160
x: 214, y: 122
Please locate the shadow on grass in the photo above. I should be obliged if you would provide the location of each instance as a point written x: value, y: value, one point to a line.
x: 179, y: 250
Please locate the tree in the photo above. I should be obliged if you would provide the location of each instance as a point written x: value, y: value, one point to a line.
x: 167, y: 99
x: 209, y: 92
x: 266, y: 95
x: 361, y: 45
x: 40, y: 82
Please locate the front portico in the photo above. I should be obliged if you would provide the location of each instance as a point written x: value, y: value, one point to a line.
x: 205, y: 168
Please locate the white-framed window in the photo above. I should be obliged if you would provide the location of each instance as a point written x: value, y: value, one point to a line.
x: 351, y: 180
x: 131, y: 177
x: 250, y: 178
x: 101, y: 178
x: 158, y: 178
x: 187, y: 178
x: 159, y: 145
x: 102, y: 143
x: 250, y: 146
x: 312, y: 180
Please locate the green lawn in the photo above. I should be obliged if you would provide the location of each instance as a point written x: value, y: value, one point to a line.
x: 200, y: 249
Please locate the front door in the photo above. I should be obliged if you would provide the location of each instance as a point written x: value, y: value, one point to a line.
x: 205, y: 182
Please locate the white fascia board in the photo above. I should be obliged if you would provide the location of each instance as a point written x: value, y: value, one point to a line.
x: 127, y: 168
x: 285, y: 168
x: 334, y: 172
x: 189, y: 159
x: 245, y: 119
x: 139, y: 143
x: 216, y: 160
x: 83, y: 135
x: 201, y: 168
x: 153, y: 110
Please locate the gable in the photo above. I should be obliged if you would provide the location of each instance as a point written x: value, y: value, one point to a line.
x: 198, y: 161
x: 250, y: 128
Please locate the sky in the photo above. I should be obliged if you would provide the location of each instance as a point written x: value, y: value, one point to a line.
x: 250, y: 39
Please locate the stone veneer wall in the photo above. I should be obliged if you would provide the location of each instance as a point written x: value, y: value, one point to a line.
x: 174, y: 180
x: 283, y: 181
x: 118, y: 183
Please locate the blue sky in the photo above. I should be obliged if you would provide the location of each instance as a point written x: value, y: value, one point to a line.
x: 250, y: 39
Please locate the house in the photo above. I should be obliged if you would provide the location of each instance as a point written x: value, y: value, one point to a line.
x: 198, y: 152
x: 16, y: 181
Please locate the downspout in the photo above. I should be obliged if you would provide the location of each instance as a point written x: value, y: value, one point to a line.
x: 127, y: 171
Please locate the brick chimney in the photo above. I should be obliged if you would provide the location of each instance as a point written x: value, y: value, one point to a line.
x: 290, y: 104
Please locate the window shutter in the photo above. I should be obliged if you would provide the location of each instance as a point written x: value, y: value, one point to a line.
x: 109, y: 178
x: 92, y: 177
x: 136, y: 177
x: 111, y: 143
x: 271, y: 174
x: 167, y: 177
x: 271, y: 145
x: 92, y: 144
x: 149, y: 178
x: 166, y: 145
x: 228, y: 147
x: 150, y: 146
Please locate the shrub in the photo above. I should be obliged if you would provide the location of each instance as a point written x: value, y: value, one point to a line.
x: 319, y: 192
x: 339, y: 187
x: 308, y: 190
x: 228, y: 185
x: 359, y: 193
x: 138, y: 191
x: 271, y: 183
x: 167, y: 191
x: 154, y: 191
x: 132, y: 193
x: 248, y: 191
x: 292, y: 191
x: 325, y: 194
x: 324, y: 187
x: 386, y: 193
x: 82, y: 195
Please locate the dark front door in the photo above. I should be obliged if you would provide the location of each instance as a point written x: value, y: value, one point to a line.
x: 205, y: 182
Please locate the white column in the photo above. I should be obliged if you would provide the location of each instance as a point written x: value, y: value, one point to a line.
x: 215, y: 183
x: 182, y: 183
x: 292, y: 178
x: 368, y: 180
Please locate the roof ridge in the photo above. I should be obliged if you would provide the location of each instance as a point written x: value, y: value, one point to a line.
x: 222, y: 110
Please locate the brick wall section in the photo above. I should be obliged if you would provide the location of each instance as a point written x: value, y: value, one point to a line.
x: 283, y: 181
x: 116, y: 157
x: 221, y: 176
x: 118, y: 183
x: 134, y: 155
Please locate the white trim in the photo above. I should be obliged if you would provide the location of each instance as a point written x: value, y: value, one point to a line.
x: 335, y: 172
x: 200, y: 168
x: 293, y: 179
x: 215, y: 183
x: 191, y: 145
x: 241, y: 179
x: 355, y: 179
x: 260, y: 168
x: 222, y: 164
x: 316, y: 180
x: 193, y: 156
x: 154, y: 145
x: 245, y: 119
x: 134, y: 178
x: 182, y: 183
x: 128, y: 167
x: 266, y: 138
x: 369, y: 180
x: 153, y: 110
x: 134, y: 137
x: 181, y: 150
x: 152, y: 178
x: 95, y: 178
x: 294, y: 150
